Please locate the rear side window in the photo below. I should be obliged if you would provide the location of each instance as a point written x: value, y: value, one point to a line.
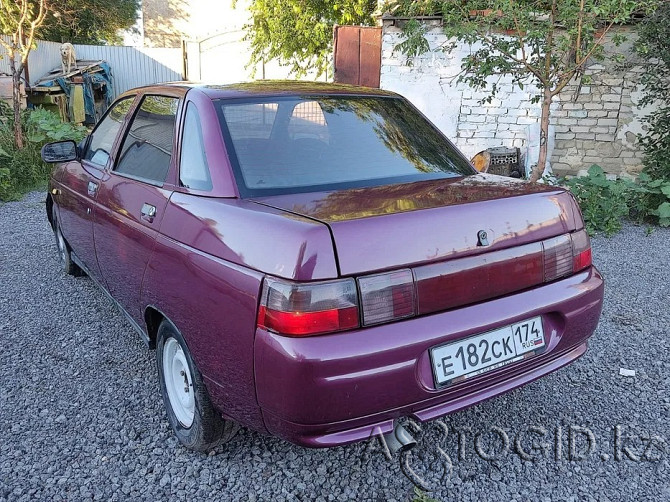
x: 317, y: 143
x: 101, y: 142
x: 147, y: 148
x: 193, y: 168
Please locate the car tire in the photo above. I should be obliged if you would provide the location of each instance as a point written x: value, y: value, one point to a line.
x: 64, y: 254
x: 195, y: 422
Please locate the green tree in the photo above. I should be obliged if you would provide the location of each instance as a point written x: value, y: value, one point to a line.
x: 89, y: 21
x: 19, y: 21
x: 654, y: 47
x: 299, y: 33
x: 542, y: 44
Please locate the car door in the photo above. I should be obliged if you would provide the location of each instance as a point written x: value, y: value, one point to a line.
x: 133, y: 198
x: 80, y: 182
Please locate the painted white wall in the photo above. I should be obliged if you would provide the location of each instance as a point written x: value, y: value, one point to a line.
x: 597, y: 123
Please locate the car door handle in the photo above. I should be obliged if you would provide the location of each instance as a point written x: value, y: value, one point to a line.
x: 92, y: 188
x: 148, y: 212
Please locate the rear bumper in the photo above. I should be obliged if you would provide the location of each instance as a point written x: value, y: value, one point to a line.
x: 334, y: 389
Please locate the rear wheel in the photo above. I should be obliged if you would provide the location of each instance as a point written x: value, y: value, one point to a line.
x: 64, y: 254
x: 193, y: 419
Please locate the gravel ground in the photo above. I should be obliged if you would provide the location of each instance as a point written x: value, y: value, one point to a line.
x: 83, y: 417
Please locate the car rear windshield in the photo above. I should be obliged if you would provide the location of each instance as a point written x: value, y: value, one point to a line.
x: 317, y: 143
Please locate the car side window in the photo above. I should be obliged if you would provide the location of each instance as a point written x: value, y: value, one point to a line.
x: 193, y: 168
x: 147, y: 148
x: 101, y: 142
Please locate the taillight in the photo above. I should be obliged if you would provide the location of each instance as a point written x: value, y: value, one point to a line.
x: 557, y: 257
x: 566, y: 255
x: 581, y: 251
x: 303, y: 309
x: 386, y: 297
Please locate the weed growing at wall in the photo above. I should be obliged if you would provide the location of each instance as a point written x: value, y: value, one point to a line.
x: 605, y: 203
x: 22, y: 170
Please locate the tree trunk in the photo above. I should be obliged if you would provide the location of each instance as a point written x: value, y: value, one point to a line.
x: 16, y: 101
x: 544, y: 134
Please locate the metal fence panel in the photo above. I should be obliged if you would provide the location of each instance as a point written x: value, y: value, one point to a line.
x: 131, y: 66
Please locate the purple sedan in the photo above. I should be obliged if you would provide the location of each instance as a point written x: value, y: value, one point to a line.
x: 318, y: 261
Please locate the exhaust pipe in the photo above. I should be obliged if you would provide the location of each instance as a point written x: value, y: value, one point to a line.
x: 399, y: 440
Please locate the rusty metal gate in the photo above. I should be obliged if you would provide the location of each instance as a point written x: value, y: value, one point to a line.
x: 358, y: 55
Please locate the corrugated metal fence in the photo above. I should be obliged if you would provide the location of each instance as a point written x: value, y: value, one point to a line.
x: 131, y: 66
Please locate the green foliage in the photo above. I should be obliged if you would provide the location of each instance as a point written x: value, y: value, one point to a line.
x: 650, y: 200
x: 605, y: 203
x: 602, y: 201
x: 415, y: 42
x: 536, y: 42
x: 22, y: 170
x: 299, y: 33
x: 654, y: 47
x: 94, y: 22
x: 539, y: 45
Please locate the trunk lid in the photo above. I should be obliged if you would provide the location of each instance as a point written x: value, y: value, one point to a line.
x: 386, y: 227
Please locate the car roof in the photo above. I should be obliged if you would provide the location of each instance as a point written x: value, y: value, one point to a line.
x: 269, y: 88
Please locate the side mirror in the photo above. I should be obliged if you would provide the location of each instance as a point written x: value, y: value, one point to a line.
x: 59, y: 151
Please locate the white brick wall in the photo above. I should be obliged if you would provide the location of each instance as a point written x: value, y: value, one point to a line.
x: 596, y: 123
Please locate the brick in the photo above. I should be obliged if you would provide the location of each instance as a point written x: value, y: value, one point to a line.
x: 488, y: 127
x: 598, y: 113
x: 592, y: 160
x: 612, y: 80
x: 579, y: 128
x: 484, y: 134
x: 608, y: 122
x: 507, y: 119
x: 613, y: 114
x: 477, y: 118
x: 505, y: 134
x: 580, y: 114
x: 593, y: 106
x: 567, y: 122
x: 497, y: 111
x: 568, y: 135
x: 611, y: 97
x: 467, y: 126
x: 588, y: 122
x: 611, y: 106
x: 585, y: 135
x: 526, y: 120
x: 600, y: 130
x: 573, y: 106
x: 518, y: 127
x: 604, y: 137
x: 465, y: 134
x: 465, y: 110
x: 561, y: 128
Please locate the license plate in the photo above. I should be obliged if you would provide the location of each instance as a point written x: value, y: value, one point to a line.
x: 481, y: 353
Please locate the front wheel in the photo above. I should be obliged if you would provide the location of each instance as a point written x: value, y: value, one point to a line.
x: 192, y: 417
